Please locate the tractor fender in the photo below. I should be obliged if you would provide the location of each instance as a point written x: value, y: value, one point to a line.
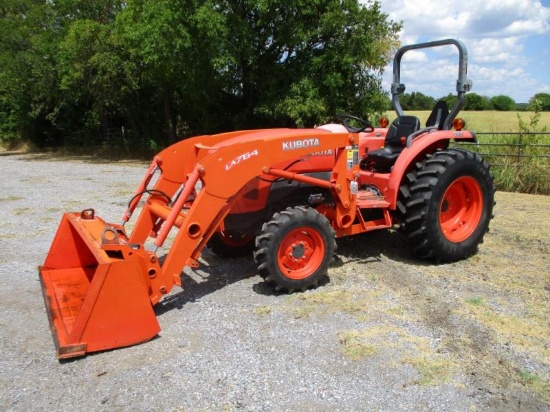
x: 417, y: 148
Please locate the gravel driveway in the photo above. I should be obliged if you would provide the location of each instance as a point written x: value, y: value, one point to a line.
x: 387, y: 333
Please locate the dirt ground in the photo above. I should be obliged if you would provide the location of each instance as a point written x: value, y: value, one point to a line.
x: 491, y: 312
x: 387, y: 332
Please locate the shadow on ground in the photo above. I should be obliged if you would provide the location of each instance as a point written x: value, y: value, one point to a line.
x: 372, y: 246
x: 216, y: 272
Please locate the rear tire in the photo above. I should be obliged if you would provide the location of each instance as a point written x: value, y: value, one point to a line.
x: 445, y: 205
x: 295, y: 249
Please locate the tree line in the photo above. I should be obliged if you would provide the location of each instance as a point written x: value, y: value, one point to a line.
x: 145, y: 73
x: 418, y: 101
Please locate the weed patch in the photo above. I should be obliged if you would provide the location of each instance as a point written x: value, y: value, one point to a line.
x: 10, y: 198
x: 22, y: 211
x: 433, y: 370
x: 354, y: 347
x: 539, y: 385
x: 262, y: 310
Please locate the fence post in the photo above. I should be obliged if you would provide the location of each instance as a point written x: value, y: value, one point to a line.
x: 520, y: 151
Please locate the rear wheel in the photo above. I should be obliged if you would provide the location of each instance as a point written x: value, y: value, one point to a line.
x: 295, y: 249
x: 445, y: 205
x: 227, y: 244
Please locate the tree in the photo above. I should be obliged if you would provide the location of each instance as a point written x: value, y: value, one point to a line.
x: 416, y: 101
x: 476, y: 102
x: 177, y: 45
x: 450, y: 99
x: 92, y: 70
x: 541, y: 100
x: 71, y: 70
x: 297, y: 63
x: 34, y: 71
x: 28, y: 81
x: 503, y: 103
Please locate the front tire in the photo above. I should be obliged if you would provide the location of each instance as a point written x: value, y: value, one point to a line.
x: 445, y: 205
x: 295, y: 249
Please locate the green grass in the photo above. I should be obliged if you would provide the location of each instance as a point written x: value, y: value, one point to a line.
x: 517, y: 165
x: 535, y: 382
x: 476, y: 301
x: 488, y: 121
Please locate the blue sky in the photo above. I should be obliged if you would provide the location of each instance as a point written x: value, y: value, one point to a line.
x: 508, y: 44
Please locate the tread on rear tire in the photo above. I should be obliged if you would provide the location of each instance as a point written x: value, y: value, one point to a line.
x: 445, y: 205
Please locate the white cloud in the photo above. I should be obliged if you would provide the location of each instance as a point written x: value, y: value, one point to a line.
x: 415, y: 56
x: 469, y: 18
x: 497, y: 50
x: 495, y: 33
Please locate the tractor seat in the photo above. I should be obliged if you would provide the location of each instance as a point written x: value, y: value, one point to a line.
x: 438, y: 115
x: 382, y: 160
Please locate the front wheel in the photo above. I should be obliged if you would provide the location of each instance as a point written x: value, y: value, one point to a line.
x: 445, y: 205
x: 295, y: 249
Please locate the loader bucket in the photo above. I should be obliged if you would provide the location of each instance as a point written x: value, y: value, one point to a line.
x: 95, y: 293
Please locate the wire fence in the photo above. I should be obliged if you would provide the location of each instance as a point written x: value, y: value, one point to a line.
x: 503, y: 149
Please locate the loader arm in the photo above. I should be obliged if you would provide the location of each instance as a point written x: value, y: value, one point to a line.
x: 223, y: 170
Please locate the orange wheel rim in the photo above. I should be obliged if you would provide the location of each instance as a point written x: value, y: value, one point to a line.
x: 461, y: 208
x: 301, y: 253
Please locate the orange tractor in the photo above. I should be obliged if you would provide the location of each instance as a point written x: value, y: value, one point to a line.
x: 284, y: 194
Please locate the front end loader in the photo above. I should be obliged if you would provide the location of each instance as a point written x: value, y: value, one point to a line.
x: 100, y: 283
x: 287, y: 194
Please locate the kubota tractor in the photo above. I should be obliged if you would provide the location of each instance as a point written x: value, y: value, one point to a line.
x: 286, y: 194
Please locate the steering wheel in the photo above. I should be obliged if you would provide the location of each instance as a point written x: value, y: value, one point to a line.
x: 364, y: 125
